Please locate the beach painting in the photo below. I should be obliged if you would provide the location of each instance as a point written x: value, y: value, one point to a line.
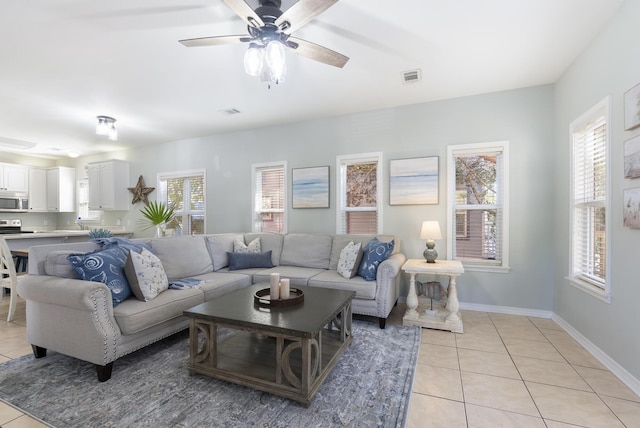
x: 310, y: 187
x: 632, y: 108
x: 413, y: 181
x: 631, y: 209
x: 632, y: 158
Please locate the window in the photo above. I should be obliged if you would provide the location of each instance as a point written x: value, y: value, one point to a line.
x: 478, y: 205
x: 269, y: 197
x: 360, y: 194
x: 186, y: 192
x: 589, y: 200
x: 84, y: 213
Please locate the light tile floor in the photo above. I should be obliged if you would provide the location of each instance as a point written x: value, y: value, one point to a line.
x: 504, y: 371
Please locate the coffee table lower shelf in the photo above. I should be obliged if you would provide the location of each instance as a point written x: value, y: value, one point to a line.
x: 285, y: 365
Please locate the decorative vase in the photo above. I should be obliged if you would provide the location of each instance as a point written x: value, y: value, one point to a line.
x: 160, y: 230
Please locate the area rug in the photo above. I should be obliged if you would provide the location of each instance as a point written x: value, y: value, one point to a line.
x: 369, y: 387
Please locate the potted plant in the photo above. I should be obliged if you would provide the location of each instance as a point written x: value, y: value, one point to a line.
x: 158, y: 214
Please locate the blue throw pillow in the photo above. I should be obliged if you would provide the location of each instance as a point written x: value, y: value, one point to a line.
x: 375, y: 252
x: 104, y: 265
x: 249, y: 260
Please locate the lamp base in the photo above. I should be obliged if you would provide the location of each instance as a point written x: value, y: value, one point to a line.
x: 430, y: 254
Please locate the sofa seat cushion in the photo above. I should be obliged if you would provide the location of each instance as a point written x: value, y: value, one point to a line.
x: 183, y: 257
x: 307, y: 250
x: 365, y: 290
x: 133, y: 315
x: 216, y: 284
x: 296, y: 275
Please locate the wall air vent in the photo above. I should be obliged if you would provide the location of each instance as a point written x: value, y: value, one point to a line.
x: 411, y: 76
x: 16, y: 144
x: 230, y: 111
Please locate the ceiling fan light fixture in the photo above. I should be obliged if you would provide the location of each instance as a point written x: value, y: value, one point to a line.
x: 253, y: 60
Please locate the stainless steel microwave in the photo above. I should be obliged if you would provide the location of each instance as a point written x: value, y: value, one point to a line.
x: 14, y: 203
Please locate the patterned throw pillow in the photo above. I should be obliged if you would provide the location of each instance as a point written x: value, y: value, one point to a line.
x: 375, y: 252
x: 240, y: 247
x: 349, y: 260
x: 146, y: 275
x: 104, y: 265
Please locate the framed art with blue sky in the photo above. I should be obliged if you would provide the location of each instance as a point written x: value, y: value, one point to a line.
x: 310, y: 187
x: 413, y: 181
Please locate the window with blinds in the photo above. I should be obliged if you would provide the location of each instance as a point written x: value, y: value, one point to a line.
x: 478, y: 207
x: 186, y: 192
x: 589, y: 196
x: 269, y: 197
x: 359, y: 194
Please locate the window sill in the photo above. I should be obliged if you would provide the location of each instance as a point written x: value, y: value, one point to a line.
x: 481, y: 268
x: 590, y: 289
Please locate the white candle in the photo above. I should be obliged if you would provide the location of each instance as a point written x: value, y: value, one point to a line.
x: 274, y: 286
x: 284, y: 288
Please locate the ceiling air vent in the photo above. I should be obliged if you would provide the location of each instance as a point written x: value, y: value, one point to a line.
x: 411, y: 76
x: 230, y: 111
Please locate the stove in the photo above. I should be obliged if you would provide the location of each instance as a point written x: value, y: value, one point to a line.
x: 11, y: 227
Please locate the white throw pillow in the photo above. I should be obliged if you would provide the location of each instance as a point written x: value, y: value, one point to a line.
x: 145, y: 274
x: 240, y: 247
x: 349, y: 260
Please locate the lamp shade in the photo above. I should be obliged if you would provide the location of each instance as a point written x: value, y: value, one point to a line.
x: 430, y: 230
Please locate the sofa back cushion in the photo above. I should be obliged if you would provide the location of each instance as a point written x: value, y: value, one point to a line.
x: 307, y: 250
x: 56, y: 264
x: 219, y: 245
x: 183, y: 257
x: 268, y: 242
x: 341, y: 241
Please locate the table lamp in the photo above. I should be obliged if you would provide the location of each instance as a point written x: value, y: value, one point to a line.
x: 430, y: 231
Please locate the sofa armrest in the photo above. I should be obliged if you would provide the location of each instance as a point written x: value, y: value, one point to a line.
x: 390, y: 268
x: 72, y: 293
x: 71, y: 316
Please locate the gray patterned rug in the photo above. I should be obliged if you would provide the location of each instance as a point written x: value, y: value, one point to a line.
x: 369, y: 387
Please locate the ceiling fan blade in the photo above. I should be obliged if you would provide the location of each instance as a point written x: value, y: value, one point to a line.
x: 317, y: 52
x: 244, y: 11
x: 215, y: 41
x: 302, y: 12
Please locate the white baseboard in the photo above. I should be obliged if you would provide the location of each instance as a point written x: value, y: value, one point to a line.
x: 615, y: 368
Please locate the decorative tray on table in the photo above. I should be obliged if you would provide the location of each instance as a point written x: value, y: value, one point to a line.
x: 263, y: 298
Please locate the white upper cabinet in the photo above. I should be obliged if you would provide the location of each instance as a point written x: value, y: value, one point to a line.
x: 61, y: 189
x: 37, y: 189
x: 108, y: 184
x: 14, y: 178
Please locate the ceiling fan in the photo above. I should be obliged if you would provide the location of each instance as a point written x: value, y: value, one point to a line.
x: 270, y: 32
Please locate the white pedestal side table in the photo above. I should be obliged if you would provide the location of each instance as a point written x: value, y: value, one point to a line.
x: 418, y: 312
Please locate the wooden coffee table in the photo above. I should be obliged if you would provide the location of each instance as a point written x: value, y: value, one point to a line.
x: 288, y: 351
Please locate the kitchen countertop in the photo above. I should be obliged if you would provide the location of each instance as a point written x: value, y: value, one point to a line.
x: 57, y: 234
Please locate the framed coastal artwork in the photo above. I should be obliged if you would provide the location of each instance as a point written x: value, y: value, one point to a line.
x: 310, y: 187
x: 631, y: 209
x: 632, y: 108
x: 413, y: 181
x: 632, y: 158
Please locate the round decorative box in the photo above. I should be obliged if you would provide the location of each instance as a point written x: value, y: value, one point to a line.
x: 263, y: 298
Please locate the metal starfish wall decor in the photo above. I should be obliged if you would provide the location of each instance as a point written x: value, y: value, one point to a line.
x: 140, y: 192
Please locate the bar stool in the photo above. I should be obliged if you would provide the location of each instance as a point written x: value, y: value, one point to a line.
x: 8, y: 277
x: 22, y: 259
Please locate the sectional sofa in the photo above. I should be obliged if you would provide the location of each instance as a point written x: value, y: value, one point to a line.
x: 75, y: 317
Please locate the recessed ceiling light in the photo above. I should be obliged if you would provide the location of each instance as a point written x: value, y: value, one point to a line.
x: 73, y: 154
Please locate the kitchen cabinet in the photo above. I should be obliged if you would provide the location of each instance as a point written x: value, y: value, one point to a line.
x: 37, y: 189
x: 14, y: 178
x: 61, y: 189
x: 108, y: 184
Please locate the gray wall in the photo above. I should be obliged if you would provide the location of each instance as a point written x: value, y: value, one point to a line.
x: 610, y: 66
x: 524, y: 117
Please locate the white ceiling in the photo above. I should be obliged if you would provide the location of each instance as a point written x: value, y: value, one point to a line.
x: 63, y: 62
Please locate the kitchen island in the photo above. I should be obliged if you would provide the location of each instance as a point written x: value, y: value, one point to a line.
x: 25, y: 240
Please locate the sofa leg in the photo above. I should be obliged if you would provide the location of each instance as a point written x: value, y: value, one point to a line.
x: 382, y: 322
x: 104, y: 372
x: 39, y: 352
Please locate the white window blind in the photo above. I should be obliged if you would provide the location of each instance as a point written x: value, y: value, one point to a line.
x: 359, y: 194
x: 186, y: 192
x: 478, y: 205
x: 269, y: 198
x: 589, y: 199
